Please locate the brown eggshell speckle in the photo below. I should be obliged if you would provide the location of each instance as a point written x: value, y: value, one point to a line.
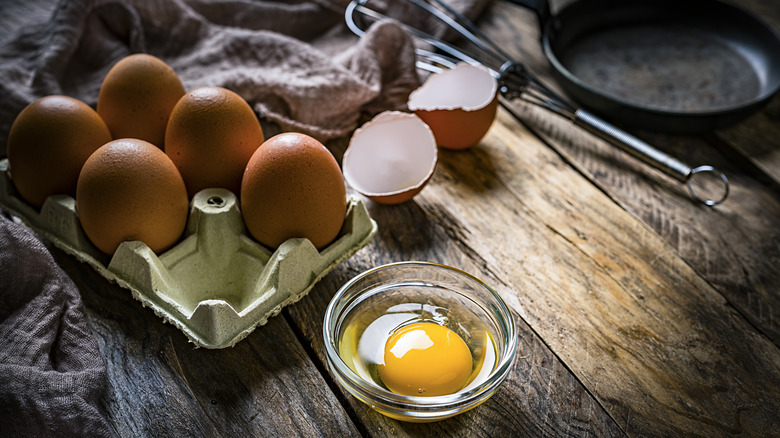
x: 293, y: 187
x: 129, y: 189
x: 458, y: 104
x: 211, y: 134
x: 137, y: 96
x: 48, y: 144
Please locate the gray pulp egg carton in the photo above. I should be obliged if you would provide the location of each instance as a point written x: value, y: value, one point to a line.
x: 217, y: 284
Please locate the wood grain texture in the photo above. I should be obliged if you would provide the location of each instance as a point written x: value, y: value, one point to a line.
x: 640, y: 313
x: 160, y: 385
x: 735, y: 246
x: 757, y: 141
x: 539, y: 398
x: 603, y: 291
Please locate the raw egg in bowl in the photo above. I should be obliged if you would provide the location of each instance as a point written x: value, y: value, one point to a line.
x: 419, y: 341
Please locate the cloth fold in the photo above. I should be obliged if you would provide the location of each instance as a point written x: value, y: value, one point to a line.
x: 51, y: 372
x: 293, y: 61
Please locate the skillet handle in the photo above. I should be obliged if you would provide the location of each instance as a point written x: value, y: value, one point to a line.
x: 650, y: 155
x: 540, y: 7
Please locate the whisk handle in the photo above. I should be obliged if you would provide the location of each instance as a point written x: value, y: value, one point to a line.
x: 632, y: 145
x: 648, y: 154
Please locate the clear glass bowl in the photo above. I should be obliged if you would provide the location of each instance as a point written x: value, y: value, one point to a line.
x: 442, y: 287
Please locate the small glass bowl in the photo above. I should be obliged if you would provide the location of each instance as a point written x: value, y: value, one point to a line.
x: 443, y: 287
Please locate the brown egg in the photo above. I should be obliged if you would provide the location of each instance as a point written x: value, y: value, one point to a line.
x: 130, y: 190
x: 211, y: 135
x: 137, y: 96
x: 48, y: 144
x: 293, y: 187
x: 458, y: 104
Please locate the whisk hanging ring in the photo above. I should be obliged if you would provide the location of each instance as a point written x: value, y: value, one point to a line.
x: 516, y: 82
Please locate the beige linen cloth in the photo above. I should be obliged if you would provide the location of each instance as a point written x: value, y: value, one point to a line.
x: 293, y: 61
x: 288, y: 60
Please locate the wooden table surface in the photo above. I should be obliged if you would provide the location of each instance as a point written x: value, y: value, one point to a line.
x: 640, y: 312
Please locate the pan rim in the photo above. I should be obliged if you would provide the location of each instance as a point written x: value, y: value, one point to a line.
x: 766, y: 92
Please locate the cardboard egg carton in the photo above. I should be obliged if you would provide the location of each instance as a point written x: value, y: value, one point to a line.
x: 217, y: 284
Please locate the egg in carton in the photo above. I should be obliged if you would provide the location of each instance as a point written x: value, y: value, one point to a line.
x: 216, y: 284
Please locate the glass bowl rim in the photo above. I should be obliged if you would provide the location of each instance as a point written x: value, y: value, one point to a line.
x: 388, y: 400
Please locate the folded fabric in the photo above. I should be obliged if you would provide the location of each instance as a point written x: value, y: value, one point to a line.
x: 293, y: 61
x: 51, y: 372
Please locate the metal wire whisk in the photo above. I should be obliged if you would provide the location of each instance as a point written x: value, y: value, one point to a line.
x: 516, y: 82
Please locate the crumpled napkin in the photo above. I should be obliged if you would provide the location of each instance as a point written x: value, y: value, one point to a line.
x: 294, y: 62
x: 51, y: 371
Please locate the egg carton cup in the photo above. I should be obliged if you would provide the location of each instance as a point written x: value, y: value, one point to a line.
x: 217, y: 284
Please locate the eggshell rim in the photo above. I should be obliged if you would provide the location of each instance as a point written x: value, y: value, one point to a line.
x: 460, y: 65
x: 391, y: 115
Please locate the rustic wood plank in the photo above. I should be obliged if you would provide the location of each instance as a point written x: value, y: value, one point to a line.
x: 734, y: 246
x: 659, y: 348
x: 757, y: 141
x: 618, y: 333
x: 161, y: 385
x: 540, y: 397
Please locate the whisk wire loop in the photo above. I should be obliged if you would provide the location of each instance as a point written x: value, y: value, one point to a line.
x: 516, y: 82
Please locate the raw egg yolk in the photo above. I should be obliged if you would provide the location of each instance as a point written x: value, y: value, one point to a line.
x: 425, y: 359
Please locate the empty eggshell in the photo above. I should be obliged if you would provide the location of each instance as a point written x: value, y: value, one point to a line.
x: 390, y: 158
x: 458, y: 104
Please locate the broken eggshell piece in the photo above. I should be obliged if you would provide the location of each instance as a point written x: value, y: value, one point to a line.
x: 458, y: 104
x: 391, y: 157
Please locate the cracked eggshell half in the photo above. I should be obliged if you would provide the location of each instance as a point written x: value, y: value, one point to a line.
x: 458, y: 104
x: 390, y: 158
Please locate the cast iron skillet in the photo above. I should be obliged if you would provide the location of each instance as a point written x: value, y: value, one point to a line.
x: 678, y: 66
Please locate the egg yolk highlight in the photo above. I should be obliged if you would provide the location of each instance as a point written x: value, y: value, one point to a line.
x: 425, y: 359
